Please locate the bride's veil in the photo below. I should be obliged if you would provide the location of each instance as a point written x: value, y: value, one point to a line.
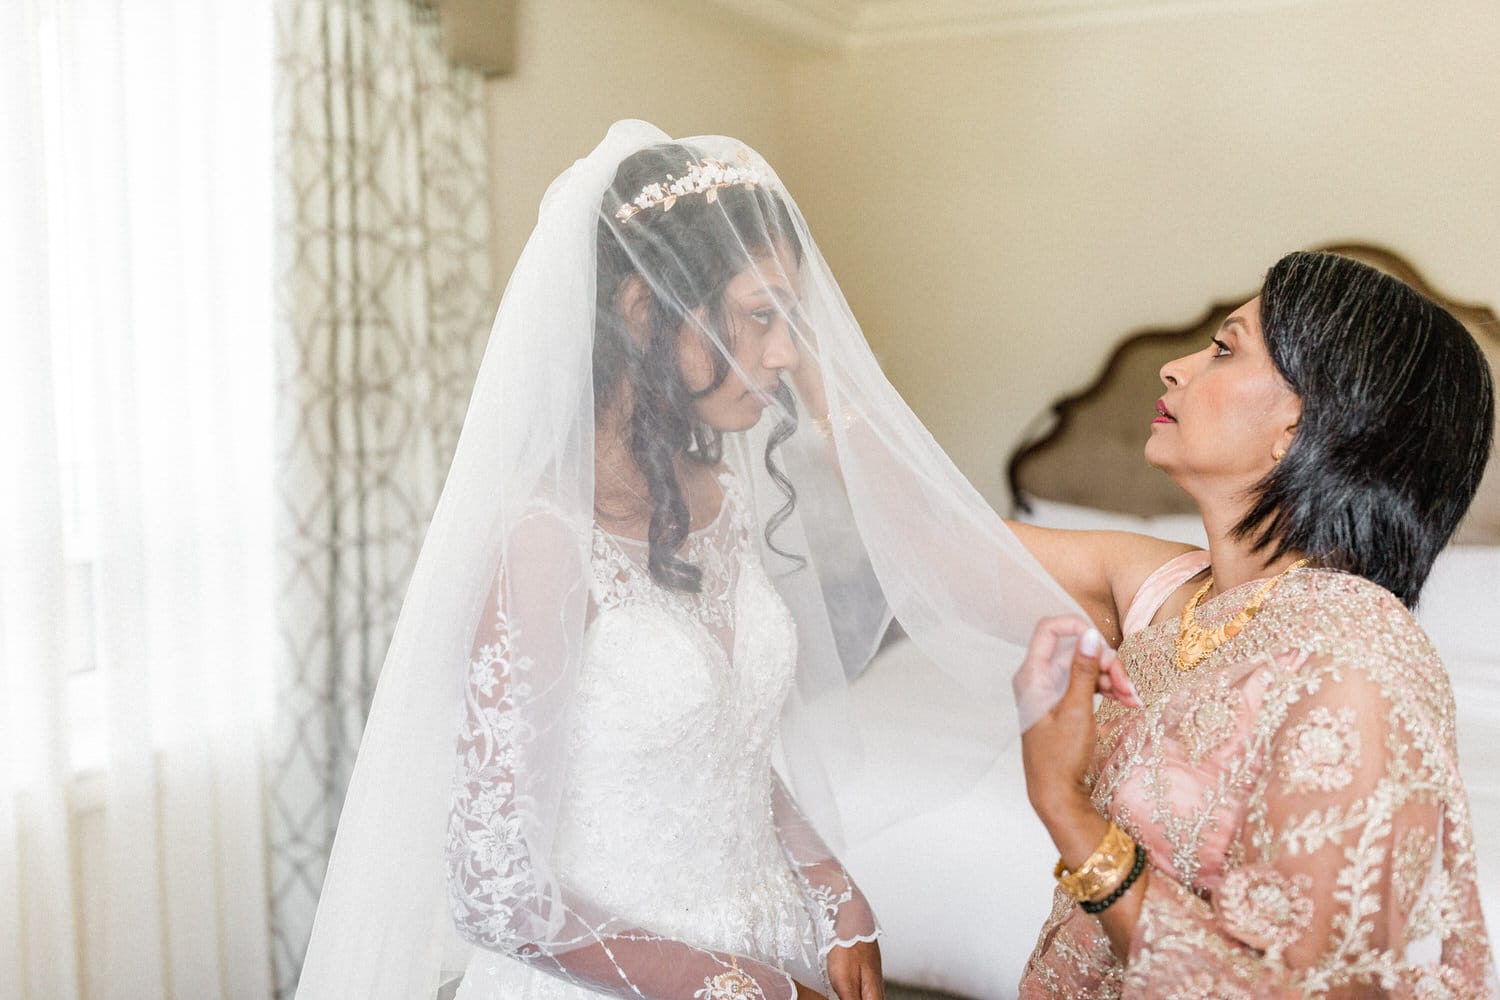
x: 859, y: 514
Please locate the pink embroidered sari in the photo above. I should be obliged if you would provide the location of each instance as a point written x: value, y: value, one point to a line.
x: 1299, y: 797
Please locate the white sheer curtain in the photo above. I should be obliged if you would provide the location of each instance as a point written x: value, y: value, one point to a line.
x: 386, y: 308
x: 135, y: 503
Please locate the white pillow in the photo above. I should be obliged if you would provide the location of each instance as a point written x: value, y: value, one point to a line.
x: 1460, y: 604
x: 1476, y: 688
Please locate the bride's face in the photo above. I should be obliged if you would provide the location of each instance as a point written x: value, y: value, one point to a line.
x: 1226, y: 411
x: 757, y: 305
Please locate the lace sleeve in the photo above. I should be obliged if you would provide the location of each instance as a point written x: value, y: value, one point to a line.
x: 1356, y: 876
x: 841, y: 914
x: 501, y: 893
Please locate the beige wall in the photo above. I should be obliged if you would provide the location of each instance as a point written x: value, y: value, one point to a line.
x: 582, y: 64
x: 1000, y: 210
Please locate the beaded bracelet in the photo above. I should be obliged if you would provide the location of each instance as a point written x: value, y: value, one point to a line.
x: 1123, y: 887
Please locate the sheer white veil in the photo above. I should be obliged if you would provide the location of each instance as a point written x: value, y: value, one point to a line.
x: 860, y: 516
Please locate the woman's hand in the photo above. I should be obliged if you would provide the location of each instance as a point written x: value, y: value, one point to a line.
x: 1057, y: 747
x: 1056, y: 752
x: 854, y: 971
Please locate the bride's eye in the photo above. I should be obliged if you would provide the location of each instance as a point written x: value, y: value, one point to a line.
x: 764, y: 316
x: 1221, y: 349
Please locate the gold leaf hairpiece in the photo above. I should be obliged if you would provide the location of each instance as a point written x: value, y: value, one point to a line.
x: 705, y: 177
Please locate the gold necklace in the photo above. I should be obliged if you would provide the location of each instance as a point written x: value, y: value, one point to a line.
x: 1195, y: 642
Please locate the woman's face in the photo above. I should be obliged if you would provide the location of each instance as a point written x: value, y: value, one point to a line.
x: 1226, y: 413
x: 758, y: 304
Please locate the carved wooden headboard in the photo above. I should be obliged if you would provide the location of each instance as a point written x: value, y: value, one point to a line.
x: 1090, y: 452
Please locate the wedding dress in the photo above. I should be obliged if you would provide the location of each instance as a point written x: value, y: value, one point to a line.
x: 672, y: 816
x: 618, y: 824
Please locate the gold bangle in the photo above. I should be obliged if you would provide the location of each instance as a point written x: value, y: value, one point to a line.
x: 1104, y: 870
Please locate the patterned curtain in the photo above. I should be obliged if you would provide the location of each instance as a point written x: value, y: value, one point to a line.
x: 385, y: 303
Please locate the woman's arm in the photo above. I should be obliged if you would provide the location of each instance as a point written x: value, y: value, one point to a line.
x: 1101, y: 570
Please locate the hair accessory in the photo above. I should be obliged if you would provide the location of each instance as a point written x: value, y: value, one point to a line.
x: 1123, y: 887
x: 705, y: 177
x: 1103, y: 872
x: 1195, y: 642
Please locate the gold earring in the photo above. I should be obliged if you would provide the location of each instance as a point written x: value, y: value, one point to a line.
x: 1278, y: 454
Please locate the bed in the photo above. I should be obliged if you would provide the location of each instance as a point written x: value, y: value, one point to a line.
x: 962, y: 892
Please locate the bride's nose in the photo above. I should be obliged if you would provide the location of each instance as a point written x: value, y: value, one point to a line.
x: 780, y: 353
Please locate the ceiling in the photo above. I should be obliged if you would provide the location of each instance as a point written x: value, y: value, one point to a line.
x: 842, y: 24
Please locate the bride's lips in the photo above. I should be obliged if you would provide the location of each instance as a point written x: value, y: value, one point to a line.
x: 765, y: 397
x: 1163, y: 415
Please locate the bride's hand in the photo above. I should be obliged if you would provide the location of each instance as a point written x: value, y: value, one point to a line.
x: 807, y: 379
x: 854, y: 971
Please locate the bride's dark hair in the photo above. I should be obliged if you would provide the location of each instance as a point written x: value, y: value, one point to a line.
x: 687, y: 256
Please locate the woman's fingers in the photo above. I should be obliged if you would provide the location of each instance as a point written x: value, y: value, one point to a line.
x: 1121, y: 687
x: 1043, y: 675
x: 1068, y: 662
x: 1096, y: 667
x: 1085, y: 669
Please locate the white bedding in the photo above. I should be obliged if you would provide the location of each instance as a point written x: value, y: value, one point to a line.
x: 962, y: 891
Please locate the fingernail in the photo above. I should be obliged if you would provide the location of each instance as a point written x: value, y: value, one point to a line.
x: 1090, y: 644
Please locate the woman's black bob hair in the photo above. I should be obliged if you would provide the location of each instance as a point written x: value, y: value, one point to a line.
x: 1398, y: 415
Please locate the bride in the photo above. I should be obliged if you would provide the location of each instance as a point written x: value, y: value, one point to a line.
x: 684, y: 508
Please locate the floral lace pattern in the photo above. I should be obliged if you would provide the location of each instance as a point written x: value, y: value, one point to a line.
x: 1300, y: 799
x: 684, y: 864
x: 1210, y: 723
x: 1264, y: 908
x: 485, y: 848
x: 1321, y: 754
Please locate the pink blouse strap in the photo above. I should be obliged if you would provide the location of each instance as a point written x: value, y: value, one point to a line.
x: 1159, y: 585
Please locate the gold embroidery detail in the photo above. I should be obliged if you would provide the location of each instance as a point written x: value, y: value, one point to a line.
x: 731, y: 984
x: 1206, y: 986
x: 1410, y: 865
x: 1265, y: 909
x: 1321, y: 752
x: 1205, y: 726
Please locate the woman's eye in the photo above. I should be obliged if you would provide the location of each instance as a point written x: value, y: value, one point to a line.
x: 764, y: 316
x: 1221, y: 349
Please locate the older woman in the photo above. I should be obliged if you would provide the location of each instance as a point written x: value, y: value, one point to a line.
x: 1282, y: 814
